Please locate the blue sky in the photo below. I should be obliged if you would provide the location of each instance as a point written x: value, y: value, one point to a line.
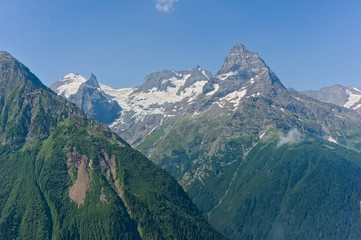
x: 308, y: 44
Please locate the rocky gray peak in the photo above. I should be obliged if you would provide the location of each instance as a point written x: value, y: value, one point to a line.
x: 68, y: 85
x: 198, y: 73
x: 162, y: 80
x: 239, y: 58
x: 94, y: 102
x: 13, y: 72
x: 156, y: 80
x: 195, y: 75
x: 5, y: 55
x: 93, y: 82
x: 335, y: 94
x: 243, y: 62
x: 245, y: 71
x: 348, y: 97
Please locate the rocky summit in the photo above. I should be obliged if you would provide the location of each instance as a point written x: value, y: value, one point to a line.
x: 88, y: 95
x: 348, y: 97
x: 259, y: 160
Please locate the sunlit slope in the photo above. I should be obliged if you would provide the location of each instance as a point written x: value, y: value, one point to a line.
x: 307, y: 190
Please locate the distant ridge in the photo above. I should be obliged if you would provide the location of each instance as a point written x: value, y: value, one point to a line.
x: 348, y: 97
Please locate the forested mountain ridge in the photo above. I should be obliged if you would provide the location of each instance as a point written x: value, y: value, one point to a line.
x: 64, y: 175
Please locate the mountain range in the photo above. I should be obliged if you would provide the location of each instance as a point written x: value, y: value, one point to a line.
x: 64, y: 175
x: 260, y: 161
x: 348, y: 97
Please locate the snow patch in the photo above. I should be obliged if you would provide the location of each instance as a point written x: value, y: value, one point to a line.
x: 255, y: 95
x: 146, y: 103
x: 219, y: 104
x: 352, y: 99
x: 331, y: 139
x: 357, y: 107
x: 356, y: 89
x: 216, y: 87
x: 179, y: 75
x: 71, y: 84
x: 339, y: 116
x: 297, y: 98
x: 204, y: 73
x: 224, y: 76
x: 262, y: 135
x: 279, y: 108
x: 235, y: 97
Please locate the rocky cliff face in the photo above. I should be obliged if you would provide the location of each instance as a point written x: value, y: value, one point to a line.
x: 88, y: 95
x: 348, y: 97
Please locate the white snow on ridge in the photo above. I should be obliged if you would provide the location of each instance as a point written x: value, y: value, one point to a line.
x: 234, y: 97
x: 352, y: 99
x: 297, y: 98
x: 255, y: 95
x: 357, y: 107
x: 179, y: 75
x: 356, y: 89
x: 120, y: 95
x: 216, y: 87
x: 71, y: 84
x: 204, y: 73
x: 142, y: 102
x: 279, y: 108
x: 224, y: 76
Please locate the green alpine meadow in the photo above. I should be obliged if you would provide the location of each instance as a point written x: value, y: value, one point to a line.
x: 64, y: 175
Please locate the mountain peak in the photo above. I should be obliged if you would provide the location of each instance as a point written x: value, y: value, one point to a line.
x: 13, y: 72
x: 73, y: 76
x: 93, y: 81
x: 4, y: 54
x: 196, y: 68
x: 68, y: 85
x: 7, y: 58
x: 239, y: 49
x: 240, y: 58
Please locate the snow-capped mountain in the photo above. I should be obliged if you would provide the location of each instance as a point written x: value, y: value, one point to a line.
x: 88, y: 95
x: 173, y: 94
x: 68, y: 85
x: 348, y: 97
x: 219, y: 135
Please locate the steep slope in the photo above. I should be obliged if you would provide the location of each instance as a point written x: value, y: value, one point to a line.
x: 65, y: 176
x: 206, y: 145
x: 348, y: 97
x: 293, y: 186
x: 208, y: 132
x: 88, y: 95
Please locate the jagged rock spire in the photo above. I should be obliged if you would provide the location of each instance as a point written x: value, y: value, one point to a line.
x: 93, y: 81
x: 240, y: 58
